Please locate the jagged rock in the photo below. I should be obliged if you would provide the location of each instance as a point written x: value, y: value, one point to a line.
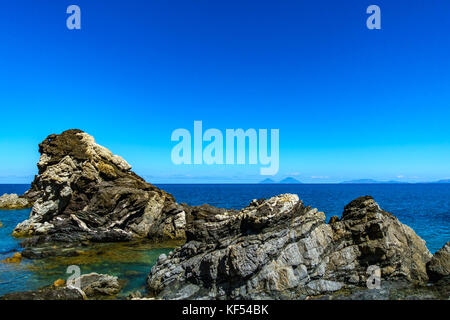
x: 84, y: 192
x: 87, y: 286
x: 278, y: 248
x: 14, y: 202
x: 439, y: 265
x: 95, y: 285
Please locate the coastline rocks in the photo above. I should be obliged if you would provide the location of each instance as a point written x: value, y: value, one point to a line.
x: 91, y: 286
x: 278, y: 248
x: 14, y: 202
x: 439, y: 266
x: 85, y: 193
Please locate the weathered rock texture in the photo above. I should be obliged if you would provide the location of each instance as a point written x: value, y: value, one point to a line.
x: 84, y: 192
x: 439, y: 266
x: 14, y: 202
x: 87, y: 286
x: 278, y: 248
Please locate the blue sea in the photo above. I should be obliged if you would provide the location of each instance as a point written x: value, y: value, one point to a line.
x: 423, y: 207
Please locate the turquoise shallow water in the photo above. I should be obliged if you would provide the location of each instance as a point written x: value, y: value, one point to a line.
x: 131, y: 262
x: 424, y: 207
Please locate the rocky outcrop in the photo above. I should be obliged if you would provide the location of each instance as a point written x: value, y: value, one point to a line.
x: 278, y: 248
x: 439, y: 266
x: 95, y: 285
x: 14, y: 202
x: 87, y: 286
x: 84, y: 192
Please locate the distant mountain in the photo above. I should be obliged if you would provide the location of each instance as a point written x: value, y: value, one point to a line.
x: 443, y: 181
x: 289, y: 180
x: 369, y: 181
x: 267, y: 181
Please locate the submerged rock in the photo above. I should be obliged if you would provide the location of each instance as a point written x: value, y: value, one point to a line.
x: 84, y: 192
x: 14, y: 202
x: 59, y: 283
x: 87, y: 286
x: 439, y: 266
x: 278, y: 248
x: 16, y: 258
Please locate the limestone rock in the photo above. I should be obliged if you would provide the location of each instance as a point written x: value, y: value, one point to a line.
x: 439, y: 266
x: 84, y: 192
x: 13, y: 202
x: 278, y: 248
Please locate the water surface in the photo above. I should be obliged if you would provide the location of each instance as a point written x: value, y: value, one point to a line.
x: 424, y: 207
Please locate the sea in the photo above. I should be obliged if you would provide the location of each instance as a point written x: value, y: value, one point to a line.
x: 423, y: 207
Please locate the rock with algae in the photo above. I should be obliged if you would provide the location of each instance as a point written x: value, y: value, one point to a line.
x: 16, y: 258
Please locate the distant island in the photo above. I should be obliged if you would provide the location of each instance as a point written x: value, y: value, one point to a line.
x: 288, y: 180
x: 369, y: 181
x: 291, y: 180
x: 268, y: 181
x: 443, y: 181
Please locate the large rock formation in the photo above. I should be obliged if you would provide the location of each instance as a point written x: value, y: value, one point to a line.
x: 84, y: 192
x: 278, y: 248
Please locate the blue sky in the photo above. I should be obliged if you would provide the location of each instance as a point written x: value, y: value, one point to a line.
x: 349, y: 102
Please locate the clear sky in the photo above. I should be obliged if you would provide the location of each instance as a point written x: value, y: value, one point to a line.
x: 349, y: 102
